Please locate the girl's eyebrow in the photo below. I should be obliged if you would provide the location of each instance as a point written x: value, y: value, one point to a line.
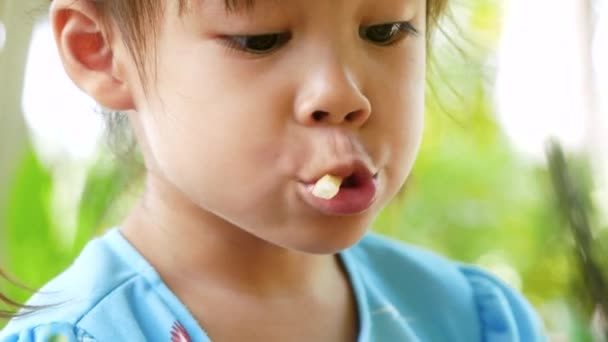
x: 230, y: 6
x: 235, y: 6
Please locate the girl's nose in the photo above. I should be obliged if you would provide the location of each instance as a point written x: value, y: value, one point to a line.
x: 331, y: 96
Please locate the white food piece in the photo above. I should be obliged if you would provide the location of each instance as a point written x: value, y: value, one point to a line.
x: 327, y: 187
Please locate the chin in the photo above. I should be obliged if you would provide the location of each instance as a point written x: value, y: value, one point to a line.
x: 332, y: 239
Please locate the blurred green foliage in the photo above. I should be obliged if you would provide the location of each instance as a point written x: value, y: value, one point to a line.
x: 470, y: 196
x: 36, y: 243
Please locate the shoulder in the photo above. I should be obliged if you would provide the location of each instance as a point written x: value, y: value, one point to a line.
x: 62, y: 305
x: 503, y: 311
x: 441, y: 290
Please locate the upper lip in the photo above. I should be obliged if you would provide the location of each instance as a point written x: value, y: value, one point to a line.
x: 353, y: 168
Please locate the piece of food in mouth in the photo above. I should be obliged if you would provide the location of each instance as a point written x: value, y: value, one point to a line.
x: 327, y: 187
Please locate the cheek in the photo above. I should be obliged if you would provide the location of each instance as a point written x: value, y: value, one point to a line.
x: 217, y: 171
x: 213, y: 149
x: 406, y: 132
x: 224, y: 100
x: 235, y: 116
x: 399, y: 120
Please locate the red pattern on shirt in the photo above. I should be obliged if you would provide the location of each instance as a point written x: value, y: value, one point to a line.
x: 179, y: 333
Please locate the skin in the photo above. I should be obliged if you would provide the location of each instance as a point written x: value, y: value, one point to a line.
x: 228, y: 137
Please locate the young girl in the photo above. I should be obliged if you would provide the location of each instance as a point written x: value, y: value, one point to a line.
x: 272, y: 132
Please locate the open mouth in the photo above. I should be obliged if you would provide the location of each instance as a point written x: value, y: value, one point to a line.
x: 349, y: 192
x: 355, y: 180
x: 350, y: 182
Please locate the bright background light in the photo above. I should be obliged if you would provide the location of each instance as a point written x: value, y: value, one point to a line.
x: 539, y: 83
x: 65, y: 127
x: 2, y: 35
x: 63, y: 120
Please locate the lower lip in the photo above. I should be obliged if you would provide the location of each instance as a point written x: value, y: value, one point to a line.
x: 348, y: 201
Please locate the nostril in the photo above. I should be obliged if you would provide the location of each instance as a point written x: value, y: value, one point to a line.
x: 350, y: 117
x: 319, y: 115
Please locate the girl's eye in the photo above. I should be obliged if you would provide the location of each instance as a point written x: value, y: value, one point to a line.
x: 258, y: 44
x: 387, y: 34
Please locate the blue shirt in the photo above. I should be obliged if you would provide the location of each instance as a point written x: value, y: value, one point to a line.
x: 403, y: 293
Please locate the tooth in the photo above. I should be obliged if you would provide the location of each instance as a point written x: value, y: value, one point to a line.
x: 327, y: 187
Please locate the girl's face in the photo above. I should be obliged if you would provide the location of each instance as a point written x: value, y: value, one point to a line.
x: 248, y: 107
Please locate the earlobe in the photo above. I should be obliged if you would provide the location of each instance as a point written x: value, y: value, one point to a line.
x: 87, y: 54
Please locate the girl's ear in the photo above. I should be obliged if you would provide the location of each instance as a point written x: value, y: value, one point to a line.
x: 87, y: 54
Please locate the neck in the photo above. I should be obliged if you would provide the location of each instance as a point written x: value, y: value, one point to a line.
x: 188, y: 245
